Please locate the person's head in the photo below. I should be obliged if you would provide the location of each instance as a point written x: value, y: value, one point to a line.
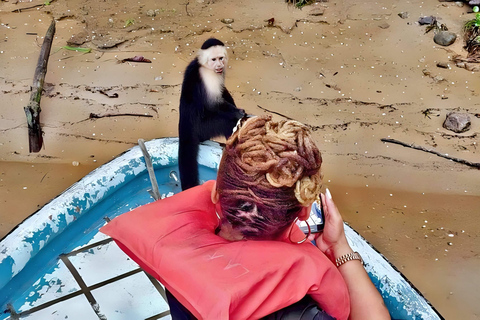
x: 268, y: 175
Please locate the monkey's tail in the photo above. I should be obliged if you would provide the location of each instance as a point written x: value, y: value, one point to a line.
x: 187, y: 163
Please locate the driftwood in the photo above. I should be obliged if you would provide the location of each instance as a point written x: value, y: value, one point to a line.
x: 274, y: 112
x: 468, y: 163
x: 32, y: 110
x: 33, y: 7
x: 108, y: 115
x: 27, y: 8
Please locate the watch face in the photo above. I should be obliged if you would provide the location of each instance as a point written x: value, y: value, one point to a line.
x: 316, y: 220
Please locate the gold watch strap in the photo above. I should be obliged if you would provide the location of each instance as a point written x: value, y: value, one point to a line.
x: 348, y: 257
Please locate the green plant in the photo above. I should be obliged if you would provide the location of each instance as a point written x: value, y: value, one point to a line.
x: 471, y: 34
x: 78, y: 49
x: 300, y: 3
x: 474, y: 22
x: 129, y: 22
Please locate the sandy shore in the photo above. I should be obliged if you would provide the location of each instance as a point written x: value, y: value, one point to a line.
x: 355, y: 72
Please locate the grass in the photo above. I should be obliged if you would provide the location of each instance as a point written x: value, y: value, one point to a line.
x: 471, y: 34
x: 78, y: 49
x: 300, y: 3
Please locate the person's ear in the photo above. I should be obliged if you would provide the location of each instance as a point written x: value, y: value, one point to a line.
x: 215, y: 196
x: 304, y: 213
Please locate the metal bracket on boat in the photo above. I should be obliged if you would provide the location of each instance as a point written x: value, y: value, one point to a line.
x: 154, y: 192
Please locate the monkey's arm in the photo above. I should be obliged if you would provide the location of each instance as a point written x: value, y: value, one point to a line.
x: 227, y: 96
x: 222, y: 119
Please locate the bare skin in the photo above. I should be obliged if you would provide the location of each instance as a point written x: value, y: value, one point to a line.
x: 365, y: 300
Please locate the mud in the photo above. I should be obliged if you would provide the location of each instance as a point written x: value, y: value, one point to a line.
x: 355, y: 72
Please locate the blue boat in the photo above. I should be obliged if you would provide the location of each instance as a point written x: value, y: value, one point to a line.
x: 56, y: 265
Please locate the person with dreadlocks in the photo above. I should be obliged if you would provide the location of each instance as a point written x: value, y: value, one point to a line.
x: 231, y: 248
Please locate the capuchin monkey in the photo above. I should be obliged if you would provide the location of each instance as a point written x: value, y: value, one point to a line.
x: 207, y: 109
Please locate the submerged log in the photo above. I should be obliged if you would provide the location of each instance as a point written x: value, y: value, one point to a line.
x: 32, y: 110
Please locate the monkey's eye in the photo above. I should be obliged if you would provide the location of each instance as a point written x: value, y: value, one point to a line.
x: 214, y: 59
x: 221, y: 58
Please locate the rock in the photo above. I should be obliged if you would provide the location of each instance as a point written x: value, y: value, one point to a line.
x: 445, y: 38
x: 427, y: 20
x: 443, y: 65
x: 474, y: 2
x: 438, y: 79
x: 457, y: 122
x: 151, y: 13
x: 459, y: 4
x: 78, y: 39
x: 403, y: 15
x: 384, y: 25
x: 317, y: 11
x: 106, y: 41
x: 227, y: 20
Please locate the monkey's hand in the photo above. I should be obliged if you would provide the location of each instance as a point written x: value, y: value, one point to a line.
x: 240, y: 113
x: 231, y: 111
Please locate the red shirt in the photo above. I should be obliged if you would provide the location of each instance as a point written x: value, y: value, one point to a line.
x: 173, y: 239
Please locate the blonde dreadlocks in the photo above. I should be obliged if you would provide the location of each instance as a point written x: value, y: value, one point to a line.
x: 269, y: 170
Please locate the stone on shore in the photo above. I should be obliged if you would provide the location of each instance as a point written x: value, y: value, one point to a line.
x: 445, y: 38
x: 457, y: 122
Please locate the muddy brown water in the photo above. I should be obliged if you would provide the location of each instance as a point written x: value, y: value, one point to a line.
x: 352, y: 70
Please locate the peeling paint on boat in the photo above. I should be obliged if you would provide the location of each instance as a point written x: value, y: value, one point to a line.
x: 402, y: 301
x: 53, y: 285
x: 18, y: 247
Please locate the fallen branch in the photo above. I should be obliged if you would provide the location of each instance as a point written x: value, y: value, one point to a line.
x: 33, y: 7
x: 186, y: 8
x: 98, y: 116
x: 274, y: 112
x: 32, y: 110
x: 27, y: 8
x: 468, y: 163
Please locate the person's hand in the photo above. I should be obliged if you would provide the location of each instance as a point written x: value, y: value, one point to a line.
x: 332, y: 240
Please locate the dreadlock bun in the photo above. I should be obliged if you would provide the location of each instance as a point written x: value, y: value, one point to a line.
x: 283, y: 152
x: 268, y: 172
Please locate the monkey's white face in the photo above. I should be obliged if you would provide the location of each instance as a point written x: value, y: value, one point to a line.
x: 215, y: 59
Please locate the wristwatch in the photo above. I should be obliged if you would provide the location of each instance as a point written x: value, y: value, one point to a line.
x: 348, y: 257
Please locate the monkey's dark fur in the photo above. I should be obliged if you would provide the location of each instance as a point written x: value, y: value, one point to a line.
x: 201, y: 118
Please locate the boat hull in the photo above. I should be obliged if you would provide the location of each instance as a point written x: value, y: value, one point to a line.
x: 56, y: 264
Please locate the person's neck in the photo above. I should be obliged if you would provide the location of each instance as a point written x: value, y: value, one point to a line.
x: 228, y: 233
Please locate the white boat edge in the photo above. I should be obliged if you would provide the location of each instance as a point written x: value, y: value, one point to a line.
x: 50, y: 220
x: 56, y: 215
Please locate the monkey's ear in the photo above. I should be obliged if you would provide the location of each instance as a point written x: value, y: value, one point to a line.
x: 202, y: 56
x: 215, y: 196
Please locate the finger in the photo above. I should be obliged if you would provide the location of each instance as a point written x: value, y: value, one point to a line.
x: 333, y: 212
x: 328, y: 194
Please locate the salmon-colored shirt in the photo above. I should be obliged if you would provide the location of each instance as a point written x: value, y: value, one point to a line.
x: 173, y: 239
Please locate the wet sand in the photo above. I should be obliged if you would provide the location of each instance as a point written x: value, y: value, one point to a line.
x: 354, y: 72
